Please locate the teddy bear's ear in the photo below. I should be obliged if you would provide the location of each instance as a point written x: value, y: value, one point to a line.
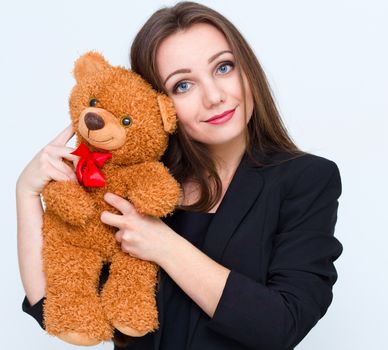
x: 167, y: 112
x: 89, y: 63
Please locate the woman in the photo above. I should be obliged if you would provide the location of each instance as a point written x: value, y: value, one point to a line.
x: 247, y: 258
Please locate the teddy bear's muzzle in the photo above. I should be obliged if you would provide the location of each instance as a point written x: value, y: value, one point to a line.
x: 101, y: 129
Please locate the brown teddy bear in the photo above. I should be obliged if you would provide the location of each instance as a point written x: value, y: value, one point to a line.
x: 122, y: 127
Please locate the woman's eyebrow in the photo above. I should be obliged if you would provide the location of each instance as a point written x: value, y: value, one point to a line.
x: 186, y: 70
x: 211, y: 59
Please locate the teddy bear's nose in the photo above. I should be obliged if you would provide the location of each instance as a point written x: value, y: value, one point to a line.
x: 93, y: 121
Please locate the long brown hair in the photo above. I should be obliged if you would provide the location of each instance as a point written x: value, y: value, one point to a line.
x: 186, y: 158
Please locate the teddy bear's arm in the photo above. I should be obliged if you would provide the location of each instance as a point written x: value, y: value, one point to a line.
x: 152, y: 189
x: 69, y: 201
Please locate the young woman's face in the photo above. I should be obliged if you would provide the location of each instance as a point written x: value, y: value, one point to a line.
x: 198, y: 71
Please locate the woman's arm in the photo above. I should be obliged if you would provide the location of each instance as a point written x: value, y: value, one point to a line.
x: 29, y: 230
x: 47, y: 165
x: 199, y: 276
x: 148, y: 238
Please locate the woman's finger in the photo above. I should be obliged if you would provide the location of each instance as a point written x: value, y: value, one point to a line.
x: 119, y: 203
x: 55, y: 151
x: 126, y: 247
x: 65, y: 152
x: 56, y: 174
x: 122, y: 237
x: 62, y: 167
x: 60, y: 152
x: 63, y: 137
x: 113, y: 219
x: 119, y: 236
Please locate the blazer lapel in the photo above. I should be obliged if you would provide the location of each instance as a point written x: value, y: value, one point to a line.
x: 245, y: 187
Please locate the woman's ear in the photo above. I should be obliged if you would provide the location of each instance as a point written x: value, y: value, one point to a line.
x: 89, y: 63
x: 167, y: 112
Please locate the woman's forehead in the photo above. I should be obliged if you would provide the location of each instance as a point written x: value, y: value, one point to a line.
x: 193, y: 46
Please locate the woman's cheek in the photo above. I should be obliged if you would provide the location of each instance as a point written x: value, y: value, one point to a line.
x: 187, y: 107
x: 188, y: 127
x: 185, y: 118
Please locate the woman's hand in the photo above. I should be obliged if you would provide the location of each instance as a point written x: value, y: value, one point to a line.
x: 48, y: 165
x: 45, y: 166
x: 142, y: 236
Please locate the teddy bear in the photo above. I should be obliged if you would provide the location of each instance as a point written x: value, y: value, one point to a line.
x: 122, y: 126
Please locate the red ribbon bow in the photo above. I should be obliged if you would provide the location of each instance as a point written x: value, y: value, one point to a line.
x: 87, y: 170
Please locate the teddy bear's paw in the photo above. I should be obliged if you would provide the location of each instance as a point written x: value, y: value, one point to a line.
x: 129, y: 331
x: 76, y: 338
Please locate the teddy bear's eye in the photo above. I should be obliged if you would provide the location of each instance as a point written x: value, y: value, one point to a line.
x: 93, y: 102
x: 126, y: 121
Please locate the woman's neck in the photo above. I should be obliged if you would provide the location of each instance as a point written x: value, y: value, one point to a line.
x: 227, y: 157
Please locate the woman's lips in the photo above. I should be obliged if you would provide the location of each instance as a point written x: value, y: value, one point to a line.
x: 223, y: 119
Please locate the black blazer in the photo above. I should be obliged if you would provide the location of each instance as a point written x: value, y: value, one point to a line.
x: 274, y: 231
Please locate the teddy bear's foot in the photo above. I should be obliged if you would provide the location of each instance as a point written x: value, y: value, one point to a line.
x: 129, y: 331
x: 78, y: 339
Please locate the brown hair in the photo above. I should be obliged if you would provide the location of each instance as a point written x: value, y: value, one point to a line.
x: 188, y: 159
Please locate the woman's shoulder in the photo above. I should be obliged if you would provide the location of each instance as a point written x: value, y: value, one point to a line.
x: 299, y: 162
x: 307, y: 170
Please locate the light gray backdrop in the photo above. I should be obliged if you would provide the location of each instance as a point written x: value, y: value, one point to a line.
x: 327, y: 64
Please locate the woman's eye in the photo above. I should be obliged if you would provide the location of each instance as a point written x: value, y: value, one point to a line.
x: 223, y: 67
x: 181, y: 87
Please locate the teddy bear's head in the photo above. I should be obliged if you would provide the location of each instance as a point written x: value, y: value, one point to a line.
x: 113, y: 109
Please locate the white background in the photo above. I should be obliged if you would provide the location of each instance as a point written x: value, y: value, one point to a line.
x: 327, y: 64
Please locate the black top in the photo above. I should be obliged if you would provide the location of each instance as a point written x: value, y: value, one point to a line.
x: 192, y: 226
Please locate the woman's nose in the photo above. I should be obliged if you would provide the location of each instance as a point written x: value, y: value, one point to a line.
x: 213, y: 94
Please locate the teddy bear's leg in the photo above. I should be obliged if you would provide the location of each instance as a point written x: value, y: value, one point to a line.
x: 73, y: 310
x: 129, y: 295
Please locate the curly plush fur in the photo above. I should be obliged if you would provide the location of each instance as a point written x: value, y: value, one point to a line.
x: 76, y: 243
